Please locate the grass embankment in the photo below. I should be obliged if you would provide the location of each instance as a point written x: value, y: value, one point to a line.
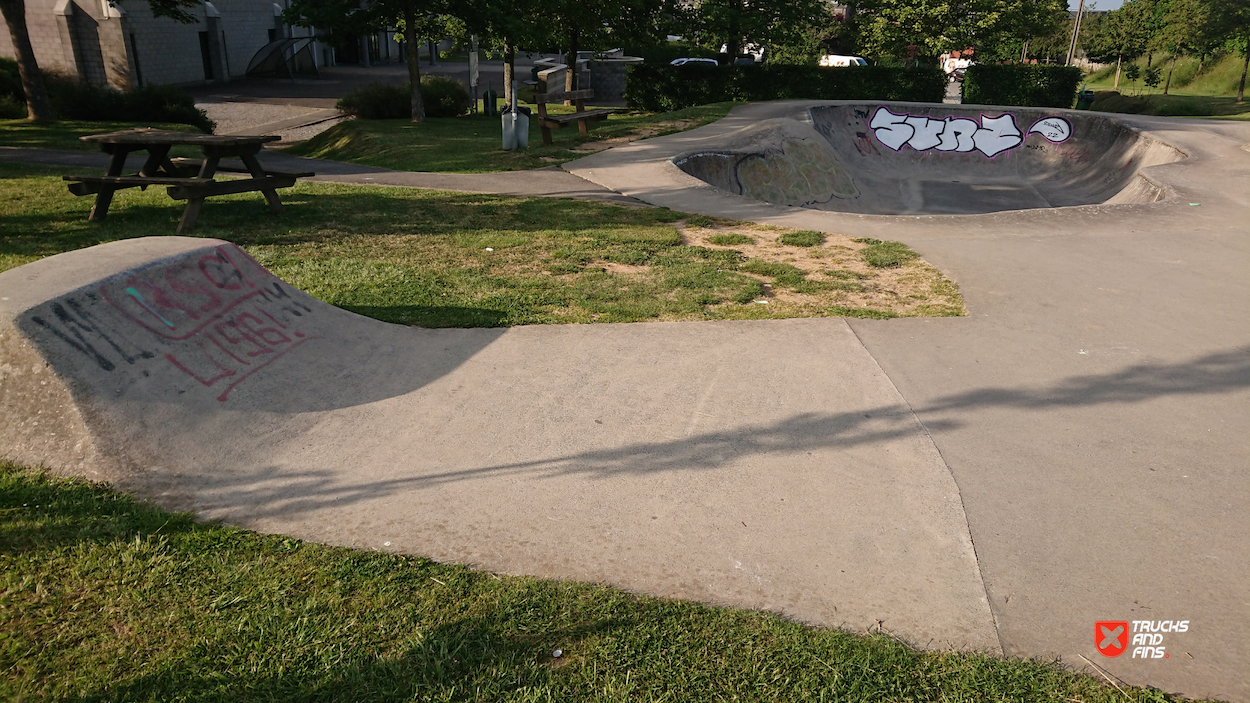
x: 471, y: 144
x: 463, y: 260
x: 1209, y: 93
x: 105, y: 598
x: 64, y: 135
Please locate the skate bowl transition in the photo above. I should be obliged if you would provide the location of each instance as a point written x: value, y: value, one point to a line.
x: 917, y: 159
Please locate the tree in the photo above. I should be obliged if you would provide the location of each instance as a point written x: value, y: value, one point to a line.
x: 505, y: 27
x: 38, y: 107
x: 1182, y: 29
x: 417, y: 19
x: 576, y: 24
x: 1229, y: 20
x: 1122, y: 34
x: 736, y: 23
x: 997, y: 28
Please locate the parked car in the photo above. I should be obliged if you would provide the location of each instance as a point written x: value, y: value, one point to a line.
x: 957, y: 76
x: 833, y: 60
x: 693, y: 61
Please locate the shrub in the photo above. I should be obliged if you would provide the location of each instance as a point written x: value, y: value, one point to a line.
x: 73, y: 99
x: 802, y: 238
x: 11, y: 82
x: 443, y: 97
x: 1025, y: 85
x: 667, y: 88
x: 376, y: 101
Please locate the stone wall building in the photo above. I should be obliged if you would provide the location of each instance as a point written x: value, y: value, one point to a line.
x: 124, y: 46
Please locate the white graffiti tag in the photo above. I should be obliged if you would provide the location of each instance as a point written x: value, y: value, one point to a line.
x: 997, y: 134
x: 991, y: 137
x: 1055, y: 129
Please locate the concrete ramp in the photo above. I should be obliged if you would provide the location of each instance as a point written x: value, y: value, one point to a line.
x: 765, y: 464
x: 923, y: 159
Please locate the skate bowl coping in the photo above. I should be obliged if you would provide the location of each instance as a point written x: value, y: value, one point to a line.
x: 928, y: 159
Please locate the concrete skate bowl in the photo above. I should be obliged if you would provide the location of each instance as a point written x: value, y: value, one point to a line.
x: 923, y: 159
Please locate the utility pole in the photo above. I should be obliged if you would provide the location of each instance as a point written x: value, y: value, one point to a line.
x: 1076, y: 30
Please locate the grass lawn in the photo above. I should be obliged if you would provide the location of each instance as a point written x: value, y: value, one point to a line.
x: 1176, y: 104
x: 105, y: 598
x: 64, y: 135
x: 472, y: 144
x: 440, y: 259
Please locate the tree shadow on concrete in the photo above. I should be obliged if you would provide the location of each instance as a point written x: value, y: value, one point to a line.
x: 271, y: 491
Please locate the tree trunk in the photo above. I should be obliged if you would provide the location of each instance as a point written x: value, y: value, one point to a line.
x: 1241, y: 88
x: 1171, y: 68
x: 509, y: 70
x: 414, y: 66
x: 38, y: 108
x: 1118, y: 58
x: 570, y: 63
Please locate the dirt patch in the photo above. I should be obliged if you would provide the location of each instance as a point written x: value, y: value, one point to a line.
x: 834, y: 273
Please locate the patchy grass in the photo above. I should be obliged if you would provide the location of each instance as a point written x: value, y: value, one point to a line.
x: 64, y: 135
x: 105, y: 598
x: 471, y: 144
x: 801, y: 238
x: 465, y: 260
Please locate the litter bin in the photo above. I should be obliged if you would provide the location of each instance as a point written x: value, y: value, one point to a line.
x: 1084, y: 99
x: 516, y: 135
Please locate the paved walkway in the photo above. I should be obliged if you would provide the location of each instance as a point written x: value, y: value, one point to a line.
x: 1073, y: 451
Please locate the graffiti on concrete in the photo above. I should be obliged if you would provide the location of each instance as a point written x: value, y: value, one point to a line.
x: 218, y: 318
x: 991, y: 136
x: 802, y: 172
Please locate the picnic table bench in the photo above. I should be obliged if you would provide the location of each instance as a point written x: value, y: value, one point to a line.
x: 549, y: 122
x: 187, y: 179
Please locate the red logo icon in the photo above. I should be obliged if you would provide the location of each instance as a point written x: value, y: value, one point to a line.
x: 1111, y: 637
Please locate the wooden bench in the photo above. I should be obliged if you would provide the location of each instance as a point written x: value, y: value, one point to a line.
x: 582, y: 116
x: 89, y: 185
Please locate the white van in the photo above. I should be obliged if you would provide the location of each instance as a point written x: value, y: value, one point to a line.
x: 838, y: 61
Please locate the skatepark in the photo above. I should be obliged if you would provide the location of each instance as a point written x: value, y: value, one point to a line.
x: 1072, y: 451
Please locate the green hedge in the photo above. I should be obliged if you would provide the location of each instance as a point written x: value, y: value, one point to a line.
x: 1026, y: 85
x: 667, y: 88
x: 442, y: 96
x: 73, y: 99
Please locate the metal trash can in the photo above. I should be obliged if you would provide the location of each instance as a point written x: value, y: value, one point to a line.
x: 516, y: 133
x: 1084, y: 99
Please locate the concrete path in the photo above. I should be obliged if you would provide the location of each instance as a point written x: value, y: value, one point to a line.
x: 552, y: 182
x: 1094, y: 408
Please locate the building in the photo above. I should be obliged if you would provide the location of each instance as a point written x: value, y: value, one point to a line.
x: 124, y: 46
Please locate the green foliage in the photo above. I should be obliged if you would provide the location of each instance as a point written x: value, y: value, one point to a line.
x: 736, y: 23
x: 73, y: 99
x: 729, y: 240
x: 889, y: 27
x: 1025, y: 85
x: 443, y: 97
x: 880, y: 254
x: 662, y: 54
x: 662, y: 88
x: 76, y: 100
x: 1153, y: 77
x: 802, y: 238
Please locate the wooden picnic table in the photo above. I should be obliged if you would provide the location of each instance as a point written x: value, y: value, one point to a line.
x: 187, y: 179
